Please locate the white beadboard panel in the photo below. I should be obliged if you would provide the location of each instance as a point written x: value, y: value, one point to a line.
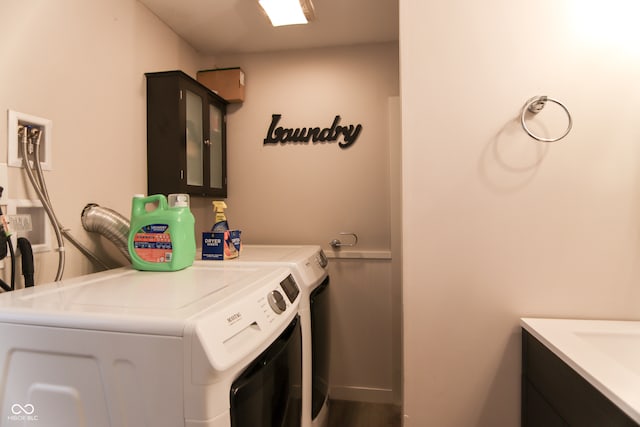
x: 362, y: 328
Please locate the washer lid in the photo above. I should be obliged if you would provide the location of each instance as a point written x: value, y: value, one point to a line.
x: 308, y: 261
x: 276, y: 253
x: 134, y: 301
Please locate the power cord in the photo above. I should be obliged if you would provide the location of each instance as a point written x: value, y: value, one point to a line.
x: 5, y: 241
x: 26, y: 253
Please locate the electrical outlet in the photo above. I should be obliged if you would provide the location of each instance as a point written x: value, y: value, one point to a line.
x: 20, y: 223
x: 17, y: 119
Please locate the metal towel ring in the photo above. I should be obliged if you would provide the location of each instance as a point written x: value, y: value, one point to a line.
x: 535, y: 105
x: 337, y: 244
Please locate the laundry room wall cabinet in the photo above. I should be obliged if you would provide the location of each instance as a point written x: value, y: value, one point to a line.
x: 186, y: 136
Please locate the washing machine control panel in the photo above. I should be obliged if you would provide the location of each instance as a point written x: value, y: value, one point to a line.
x: 277, y: 302
x: 276, y: 299
x: 290, y: 287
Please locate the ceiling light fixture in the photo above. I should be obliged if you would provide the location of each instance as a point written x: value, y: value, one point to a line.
x: 288, y: 12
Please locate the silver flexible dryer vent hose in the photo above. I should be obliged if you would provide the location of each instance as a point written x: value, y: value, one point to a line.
x: 108, y: 223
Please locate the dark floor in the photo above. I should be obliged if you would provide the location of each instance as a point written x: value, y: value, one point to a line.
x: 344, y: 413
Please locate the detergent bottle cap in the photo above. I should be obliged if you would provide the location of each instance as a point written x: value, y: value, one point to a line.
x: 178, y: 200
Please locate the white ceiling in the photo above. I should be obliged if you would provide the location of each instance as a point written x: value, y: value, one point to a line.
x: 238, y: 26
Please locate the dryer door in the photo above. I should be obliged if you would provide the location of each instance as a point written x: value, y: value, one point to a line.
x: 268, y: 393
x: 320, y: 336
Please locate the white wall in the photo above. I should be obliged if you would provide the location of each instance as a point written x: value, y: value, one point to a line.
x: 496, y: 225
x: 82, y: 64
x: 275, y: 192
x: 307, y: 194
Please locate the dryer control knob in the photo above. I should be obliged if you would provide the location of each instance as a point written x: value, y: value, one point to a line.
x: 277, y: 302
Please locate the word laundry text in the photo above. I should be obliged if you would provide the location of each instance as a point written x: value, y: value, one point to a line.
x: 277, y: 134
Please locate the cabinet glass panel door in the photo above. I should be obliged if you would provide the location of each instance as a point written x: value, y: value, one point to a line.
x: 215, y: 149
x: 195, y: 146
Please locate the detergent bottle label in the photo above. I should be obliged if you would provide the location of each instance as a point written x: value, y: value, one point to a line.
x: 152, y: 243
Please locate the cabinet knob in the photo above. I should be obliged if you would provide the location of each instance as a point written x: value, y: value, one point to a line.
x: 207, y: 142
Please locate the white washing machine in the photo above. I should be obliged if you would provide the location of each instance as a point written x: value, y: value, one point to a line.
x: 214, y: 345
x: 309, y: 265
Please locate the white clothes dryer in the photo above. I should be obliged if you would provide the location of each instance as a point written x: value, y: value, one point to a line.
x: 215, y: 346
x: 310, y: 270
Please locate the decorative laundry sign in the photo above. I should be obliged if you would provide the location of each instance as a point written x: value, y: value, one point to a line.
x: 344, y: 135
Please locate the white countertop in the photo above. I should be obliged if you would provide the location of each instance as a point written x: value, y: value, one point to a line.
x: 605, y: 352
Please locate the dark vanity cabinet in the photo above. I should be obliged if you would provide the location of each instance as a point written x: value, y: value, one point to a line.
x: 186, y: 136
x: 555, y: 395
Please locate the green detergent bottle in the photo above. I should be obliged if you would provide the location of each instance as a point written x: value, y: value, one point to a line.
x: 163, y: 238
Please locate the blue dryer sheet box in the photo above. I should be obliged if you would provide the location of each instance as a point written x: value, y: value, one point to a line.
x: 221, y: 245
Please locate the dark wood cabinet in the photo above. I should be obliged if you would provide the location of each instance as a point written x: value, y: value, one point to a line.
x: 554, y: 394
x: 186, y: 136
